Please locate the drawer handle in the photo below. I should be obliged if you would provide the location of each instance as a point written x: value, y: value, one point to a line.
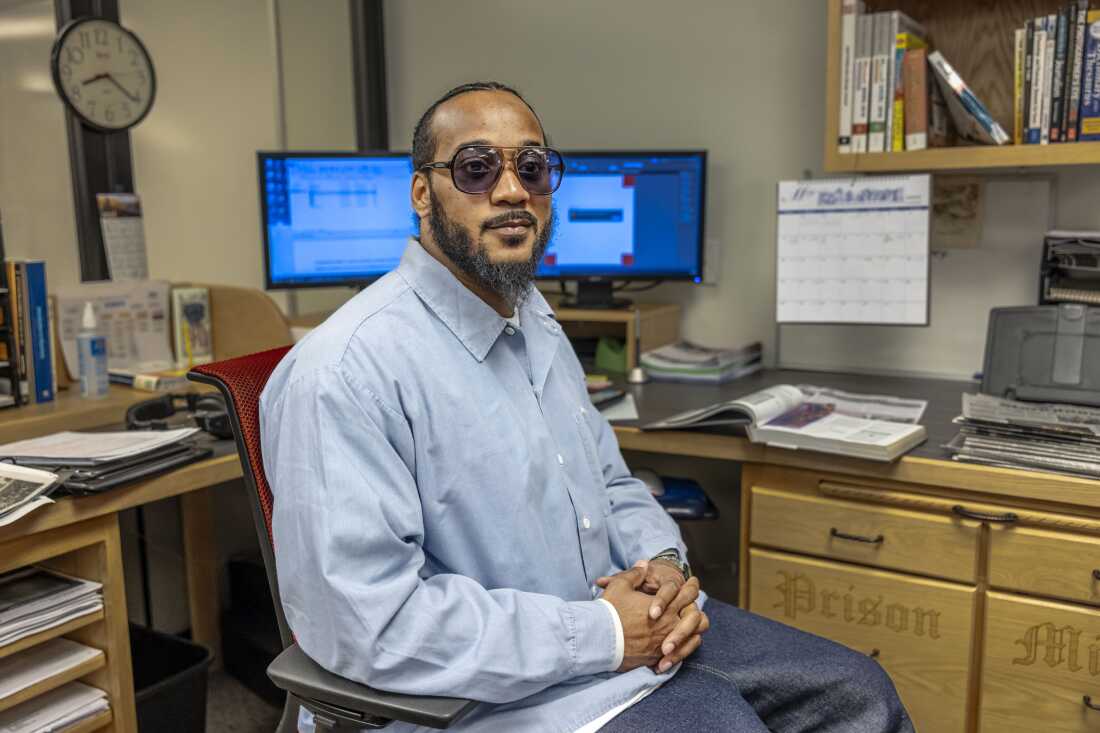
x: 1006, y: 518
x: 834, y: 532
x: 1089, y: 704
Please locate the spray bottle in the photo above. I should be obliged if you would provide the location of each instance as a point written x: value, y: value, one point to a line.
x: 91, y: 348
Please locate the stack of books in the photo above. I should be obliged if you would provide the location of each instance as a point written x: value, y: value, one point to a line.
x: 1057, y: 77
x: 896, y: 93
x: 30, y: 313
x: 687, y: 362
x: 1030, y: 435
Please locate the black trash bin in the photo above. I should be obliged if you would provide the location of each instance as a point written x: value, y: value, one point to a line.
x: 169, y: 682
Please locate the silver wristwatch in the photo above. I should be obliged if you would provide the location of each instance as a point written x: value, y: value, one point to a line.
x: 672, y: 555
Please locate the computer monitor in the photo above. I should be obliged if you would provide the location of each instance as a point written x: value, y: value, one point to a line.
x: 333, y: 219
x: 627, y: 215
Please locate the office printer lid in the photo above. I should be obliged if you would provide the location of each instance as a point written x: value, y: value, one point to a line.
x: 1046, y: 353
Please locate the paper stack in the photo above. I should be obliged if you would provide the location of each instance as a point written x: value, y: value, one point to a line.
x: 688, y: 362
x: 1030, y: 435
x: 35, y: 599
x: 41, y: 662
x: 54, y: 710
x: 89, y: 449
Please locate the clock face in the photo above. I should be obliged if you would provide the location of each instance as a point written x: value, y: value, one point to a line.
x: 104, y: 73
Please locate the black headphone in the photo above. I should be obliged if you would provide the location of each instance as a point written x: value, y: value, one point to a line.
x: 208, y: 411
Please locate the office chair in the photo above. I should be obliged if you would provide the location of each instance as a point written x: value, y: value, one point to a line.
x: 337, y: 703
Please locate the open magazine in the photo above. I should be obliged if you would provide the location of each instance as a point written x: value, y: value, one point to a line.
x: 877, y: 427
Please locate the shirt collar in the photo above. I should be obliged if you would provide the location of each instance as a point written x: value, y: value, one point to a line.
x: 468, y: 317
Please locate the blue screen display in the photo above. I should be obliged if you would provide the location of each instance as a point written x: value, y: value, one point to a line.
x: 334, y: 220
x: 628, y: 215
x: 345, y: 219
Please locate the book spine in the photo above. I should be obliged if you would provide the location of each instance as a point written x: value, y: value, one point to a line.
x: 25, y: 345
x: 39, y: 331
x: 903, y: 43
x: 876, y: 130
x: 861, y: 87
x: 1058, y: 77
x: 971, y: 105
x: 1067, y: 72
x: 849, y: 14
x: 1073, y: 107
x: 1090, y: 87
x: 1048, y: 79
x: 1018, y: 86
x: 1035, y: 115
x: 1029, y: 60
x: 915, y: 77
x: 15, y: 300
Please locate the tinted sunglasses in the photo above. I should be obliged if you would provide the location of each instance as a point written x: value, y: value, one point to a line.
x: 475, y: 169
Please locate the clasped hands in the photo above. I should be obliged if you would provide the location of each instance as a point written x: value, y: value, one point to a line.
x: 656, y: 606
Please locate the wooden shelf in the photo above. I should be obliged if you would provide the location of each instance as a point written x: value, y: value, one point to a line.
x: 27, y: 642
x: 89, y: 724
x: 966, y: 158
x: 51, y: 683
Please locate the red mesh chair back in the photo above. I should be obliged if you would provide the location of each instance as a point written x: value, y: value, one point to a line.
x: 241, y: 381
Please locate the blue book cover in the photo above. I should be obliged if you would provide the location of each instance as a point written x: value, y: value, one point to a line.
x: 38, y: 321
x: 1090, y: 84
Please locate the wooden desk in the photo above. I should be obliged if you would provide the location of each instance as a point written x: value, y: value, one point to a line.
x: 976, y: 588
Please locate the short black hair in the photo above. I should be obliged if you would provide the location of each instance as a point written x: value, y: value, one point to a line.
x: 424, y: 140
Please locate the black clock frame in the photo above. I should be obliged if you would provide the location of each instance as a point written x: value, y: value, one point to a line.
x: 55, y: 73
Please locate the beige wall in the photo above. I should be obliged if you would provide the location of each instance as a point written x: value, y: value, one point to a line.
x: 742, y: 79
x: 36, y: 194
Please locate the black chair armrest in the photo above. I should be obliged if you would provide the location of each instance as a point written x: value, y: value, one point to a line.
x: 294, y: 672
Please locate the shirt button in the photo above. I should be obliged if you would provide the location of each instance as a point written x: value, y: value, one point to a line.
x: 561, y: 460
x: 510, y: 331
x: 586, y: 522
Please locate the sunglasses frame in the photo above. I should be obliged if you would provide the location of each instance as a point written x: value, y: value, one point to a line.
x: 499, y: 149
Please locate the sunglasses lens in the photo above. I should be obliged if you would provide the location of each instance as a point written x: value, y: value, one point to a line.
x: 539, y: 170
x: 476, y: 169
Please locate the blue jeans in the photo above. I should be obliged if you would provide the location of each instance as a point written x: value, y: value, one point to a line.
x: 756, y: 675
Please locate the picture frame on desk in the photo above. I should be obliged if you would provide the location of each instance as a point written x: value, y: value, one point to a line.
x: 191, y: 330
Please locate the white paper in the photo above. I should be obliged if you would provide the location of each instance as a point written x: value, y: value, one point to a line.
x: 624, y: 409
x: 73, y: 448
x: 24, y: 510
x: 53, y: 710
x: 40, y: 662
x: 133, y: 315
x: 853, y: 250
x: 123, y: 236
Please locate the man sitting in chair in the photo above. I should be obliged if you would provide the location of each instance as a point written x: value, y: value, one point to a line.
x: 453, y: 517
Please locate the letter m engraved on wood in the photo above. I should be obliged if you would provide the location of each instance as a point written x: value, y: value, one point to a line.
x: 1051, y: 644
x: 796, y: 594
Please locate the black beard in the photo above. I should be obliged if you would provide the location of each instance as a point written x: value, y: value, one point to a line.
x: 510, y: 280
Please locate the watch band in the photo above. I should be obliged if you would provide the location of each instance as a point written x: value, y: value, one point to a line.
x: 673, y: 555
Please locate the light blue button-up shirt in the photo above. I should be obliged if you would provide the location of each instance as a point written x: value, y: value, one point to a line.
x: 446, y: 497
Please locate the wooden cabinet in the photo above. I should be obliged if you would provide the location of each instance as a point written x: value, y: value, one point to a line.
x: 918, y: 629
x: 1012, y: 586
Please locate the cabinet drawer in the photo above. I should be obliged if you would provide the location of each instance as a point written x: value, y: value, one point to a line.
x: 921, y: 628
x: 900, y: 539
x: 1043, y: 562
x: 1041, y: 659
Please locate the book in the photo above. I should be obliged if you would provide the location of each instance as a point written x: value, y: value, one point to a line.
x: 897, y: 24
x: 861, y: 86
x: 874, y: 427
x: 1035, y: 114
x: 1073, y: 104
x: 940, y: 132
x: 904, y: 42
x: 1018, y: 86
x: 881, y: 49
x: 850, y: 11
x: 972, y: 120
x: 915, y: 81
x: 1058, y: 77
x: 687, y: 362
x: 165, y: 381
x: 39, y: 341
x: 1029, y: 62
x: 1049, y: 39
x: 1090, y: 85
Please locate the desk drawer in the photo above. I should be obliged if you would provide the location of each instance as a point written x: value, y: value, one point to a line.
x: 1041, y: 659
x: 921, y: 542
x: 1043, y: 562
x: 921, y: 628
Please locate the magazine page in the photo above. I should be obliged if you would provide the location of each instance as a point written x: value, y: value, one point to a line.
x: 751, y: 409
x: 770, y: 403
x: 822, y: 421
x: 868, y: 407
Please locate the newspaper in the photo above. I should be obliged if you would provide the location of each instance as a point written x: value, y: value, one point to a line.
x: 1058, y: 418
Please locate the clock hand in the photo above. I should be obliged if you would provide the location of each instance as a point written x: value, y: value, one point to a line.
x: 131, y: 97
x: 97, y: 77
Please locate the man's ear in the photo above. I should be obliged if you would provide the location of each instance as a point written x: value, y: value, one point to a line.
x: 421, y: 195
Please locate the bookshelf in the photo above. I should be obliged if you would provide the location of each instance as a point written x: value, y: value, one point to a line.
x: 976, y: 37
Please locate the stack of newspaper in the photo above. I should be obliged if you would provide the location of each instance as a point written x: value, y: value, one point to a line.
x: 55, y: 710
x: 35, y: 599
x: 687, y: 362
x: 1031, y: 435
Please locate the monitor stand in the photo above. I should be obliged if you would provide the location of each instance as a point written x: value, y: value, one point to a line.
x: 594, y: 294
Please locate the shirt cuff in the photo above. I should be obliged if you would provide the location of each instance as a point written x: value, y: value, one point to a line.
x: 592, y: 637
x: 620, y: 640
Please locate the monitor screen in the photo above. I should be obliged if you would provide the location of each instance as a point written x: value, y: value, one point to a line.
x: 334, y: 218
x: 629, y: 215
x: 344, y: 218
